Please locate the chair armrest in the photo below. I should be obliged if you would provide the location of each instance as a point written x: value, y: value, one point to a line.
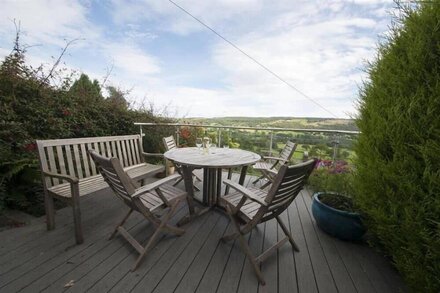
x: 274, y: 158
x: 246, y: 192
x: 271, y: 172
x: 152, y: 154
x: 154, y: 185
x: 68, y: 178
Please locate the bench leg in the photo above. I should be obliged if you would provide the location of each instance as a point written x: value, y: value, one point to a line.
x: 50, y: 211
x: 76, y: 214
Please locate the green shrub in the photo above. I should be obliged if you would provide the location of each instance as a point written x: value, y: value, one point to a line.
x: 31, y: 108
x: 329, y: 181
x: 398, y: 153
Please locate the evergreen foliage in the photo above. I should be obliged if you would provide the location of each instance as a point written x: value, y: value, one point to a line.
x: 398, y: 153
x: 31, y: 108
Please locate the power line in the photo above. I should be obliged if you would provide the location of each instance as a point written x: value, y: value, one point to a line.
x: 253, y: 59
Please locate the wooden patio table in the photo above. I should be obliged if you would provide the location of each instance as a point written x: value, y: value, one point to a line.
x: 212, y: 163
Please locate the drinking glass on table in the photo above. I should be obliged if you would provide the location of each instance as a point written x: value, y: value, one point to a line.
x: 199, y: 142
x: 208, y: 143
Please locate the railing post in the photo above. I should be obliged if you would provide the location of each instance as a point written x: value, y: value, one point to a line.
x: 335, y: 148
x: 219, y: 137
x: 271, y: 141
x: 177, y: 136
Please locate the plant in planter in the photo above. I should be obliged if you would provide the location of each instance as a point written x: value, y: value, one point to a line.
x: 332, y: 206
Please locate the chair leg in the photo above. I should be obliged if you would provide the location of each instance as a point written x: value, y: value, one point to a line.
x: 258, y: 179
x: 245, y: 247
x: 120, y: 224
x: 287, y: 233
x: 266, y: 185
x: 147, y: 248
x: 169, y: 228
x: 196, y: 188
x: 230, y: 237
x: 163, y: 226
x: 197, y: 177
x: 178, y: 181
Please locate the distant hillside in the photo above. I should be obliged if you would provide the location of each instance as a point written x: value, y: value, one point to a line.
x: 283, y: 122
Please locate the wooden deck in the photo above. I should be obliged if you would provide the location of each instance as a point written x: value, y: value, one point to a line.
x: 34, y: 260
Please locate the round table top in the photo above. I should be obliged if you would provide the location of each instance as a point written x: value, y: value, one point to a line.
x: 216, y: 158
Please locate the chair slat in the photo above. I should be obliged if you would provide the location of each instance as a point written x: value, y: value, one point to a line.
x: 169, y: 143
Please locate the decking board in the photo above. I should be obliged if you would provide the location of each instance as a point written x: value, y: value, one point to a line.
x: 194, y: 262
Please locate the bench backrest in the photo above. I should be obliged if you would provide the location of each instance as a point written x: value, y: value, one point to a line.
x: 70, y: 156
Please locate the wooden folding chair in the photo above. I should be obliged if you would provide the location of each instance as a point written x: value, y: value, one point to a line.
x: 148, y: 200
x: 269, y: 166
x: 170, y: 144
x: 248, y: 207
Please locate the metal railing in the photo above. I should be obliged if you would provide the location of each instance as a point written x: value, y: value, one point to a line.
x: 328, y: 136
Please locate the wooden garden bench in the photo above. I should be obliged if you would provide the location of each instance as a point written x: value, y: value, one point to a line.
x: 69, y: 173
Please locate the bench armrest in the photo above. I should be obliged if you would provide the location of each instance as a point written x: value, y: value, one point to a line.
x: 246, y: 192
x: 154, y: 185
x: 68, y: 178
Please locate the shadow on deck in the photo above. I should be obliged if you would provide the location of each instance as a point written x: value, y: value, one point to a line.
x: 33, y: 259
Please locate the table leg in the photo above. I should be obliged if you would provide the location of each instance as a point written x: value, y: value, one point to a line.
x: 205, y: 191
x: 242, y: 175
x: 219, y: 186
x: 189, y: 187
x: 212, y: 187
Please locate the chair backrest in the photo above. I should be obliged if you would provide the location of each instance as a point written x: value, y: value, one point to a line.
x: 286, y: 186
x: 169, y: 143
x: 70, y: 157
x: 113, y: 173
x: 288, y: 150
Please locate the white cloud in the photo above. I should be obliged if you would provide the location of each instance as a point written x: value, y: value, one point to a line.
x: 318, y: 46
x: 46, y: 21
x: 131, y: 59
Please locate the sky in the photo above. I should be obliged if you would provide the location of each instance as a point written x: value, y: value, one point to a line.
x: 163, y: 56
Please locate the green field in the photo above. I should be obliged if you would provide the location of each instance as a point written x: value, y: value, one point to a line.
x: 282, y: 122
x: 316, y: 144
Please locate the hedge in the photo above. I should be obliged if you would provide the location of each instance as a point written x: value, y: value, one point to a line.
x: 398, y: 166
x: 34, y: 106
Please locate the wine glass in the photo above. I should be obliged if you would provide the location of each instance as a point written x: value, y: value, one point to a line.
x: 199, y: 142
x: 208, y: 142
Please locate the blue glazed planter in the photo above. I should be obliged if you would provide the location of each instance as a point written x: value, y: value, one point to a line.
x: 340, y: 224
